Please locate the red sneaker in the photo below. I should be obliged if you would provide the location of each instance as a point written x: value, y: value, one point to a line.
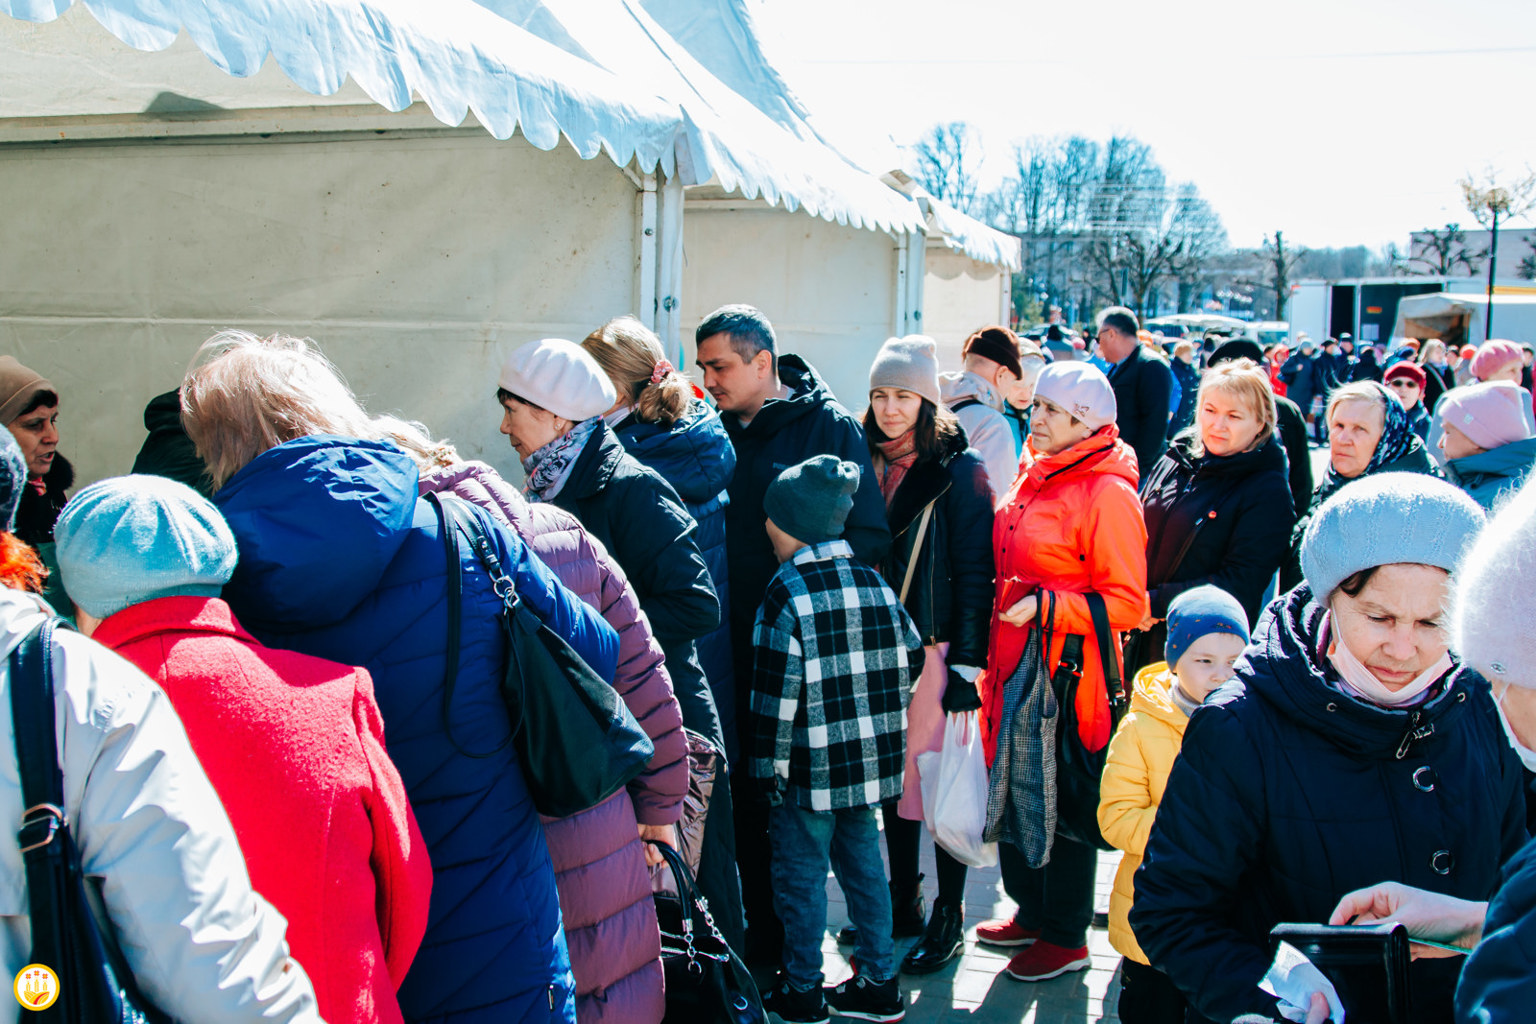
x: 1006, y: 932
x: 1045, y: 960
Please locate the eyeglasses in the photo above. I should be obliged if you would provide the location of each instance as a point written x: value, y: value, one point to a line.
x: 1402, y: 382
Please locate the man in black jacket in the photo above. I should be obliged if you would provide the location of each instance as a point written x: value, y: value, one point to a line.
x: 778, y: 413
x: 1143, y: 386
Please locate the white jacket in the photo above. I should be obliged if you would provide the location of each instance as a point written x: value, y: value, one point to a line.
x: 153, y: 837
x: 986, y: 429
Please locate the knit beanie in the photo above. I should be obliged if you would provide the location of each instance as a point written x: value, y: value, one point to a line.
x: 1495, y: 598
x: 132, y: 539
x: 1493, y: 356
x: 811, y: 501
x: 1199, y: 611
x: 560, y: 376
x: 1385, y: 519
x: 1468, y: 351
x: 909, y: 363
x: 1237, y: 348
x: 18, y: 386
x: 1411, y: 371
x: 998, y: 344
x: 1081, y: 389
x: 13, y: 479
x: 1491, y: 414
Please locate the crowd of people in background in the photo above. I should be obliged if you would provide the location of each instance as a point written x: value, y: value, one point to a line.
x: 1301, y: 701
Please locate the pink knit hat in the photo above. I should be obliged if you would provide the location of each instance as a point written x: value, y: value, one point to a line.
x: 1491, y: 414
x: 1493, y: 356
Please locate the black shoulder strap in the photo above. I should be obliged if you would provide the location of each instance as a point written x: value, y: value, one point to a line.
x: 455, y: 585
x: 965, y: 403
x: 1113, y: 685
x: 37, y: 755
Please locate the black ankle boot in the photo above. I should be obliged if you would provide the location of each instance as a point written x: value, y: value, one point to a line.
x: 908, y: 912
x: 942, y: 941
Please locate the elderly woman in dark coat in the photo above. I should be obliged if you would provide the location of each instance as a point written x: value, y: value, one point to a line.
x: 1352, y: 748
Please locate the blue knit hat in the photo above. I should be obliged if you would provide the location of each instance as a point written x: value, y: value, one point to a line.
x: 1385, y: 519
x: 13, y: 478
x: 1197, y: 612
x: 135, y: 538
x: 811, y: 501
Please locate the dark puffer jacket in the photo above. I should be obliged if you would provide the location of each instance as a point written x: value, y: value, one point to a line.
x: 951, y: 595
x: 1219, y: 520
x: 1287, y: 795
x: 1498, y: 983
x: 37, y: 513
x: 340, y: 559
x: 785, y: 432
x: 168, y: 451
x: 695, y: 456
x: 640, y: 520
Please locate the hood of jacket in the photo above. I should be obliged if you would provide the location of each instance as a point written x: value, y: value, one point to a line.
x: 962, y: 384
x: 694, y: 454
x: 807, y: 393
x: 163, y: 412
x: 1511, y: 460
x: 1152, y: 695
x: 1102, y: 454
x: 1283, y: 667
x: 318, y: 520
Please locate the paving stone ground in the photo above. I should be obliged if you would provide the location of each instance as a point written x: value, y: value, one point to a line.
x: 974, y: 988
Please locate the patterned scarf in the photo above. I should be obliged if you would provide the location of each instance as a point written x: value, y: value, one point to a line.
x: 548, y: 467
x: 1397, y: 440
x: 899, y: 455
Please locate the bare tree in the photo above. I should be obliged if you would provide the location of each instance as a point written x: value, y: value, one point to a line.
x: 1527, y: 268
x: 946, y: 159
x: 1280, y: 261
x: 1200, y: 228
x: 1489, y: 200
x: 1442, y: 251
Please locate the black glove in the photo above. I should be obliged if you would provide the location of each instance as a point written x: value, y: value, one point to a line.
x: 959, y: 695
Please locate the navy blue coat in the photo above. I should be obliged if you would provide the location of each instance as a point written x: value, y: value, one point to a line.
x: 695, y: 456
x: 1143, y: 386
x: 1498, y: 983
x: 340, y: 559
x: 1287, y: 795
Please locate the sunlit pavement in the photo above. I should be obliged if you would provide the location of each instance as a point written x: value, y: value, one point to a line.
x: 974, y: 988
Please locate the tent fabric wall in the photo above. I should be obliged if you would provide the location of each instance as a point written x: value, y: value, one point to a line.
x: 829, y: 290
x: 413, y: 262
x: 959, y: 295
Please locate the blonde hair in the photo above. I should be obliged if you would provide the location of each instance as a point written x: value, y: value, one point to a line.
x: 1244, y: 379
x: 1183, y: 346
x: 1359, y: 391
x: 1428, y: 348
x: 630, y: 355
x: 244, y: 394
x: 414, y: 439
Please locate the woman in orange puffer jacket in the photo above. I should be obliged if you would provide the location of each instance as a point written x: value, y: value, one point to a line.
x: 1071, y: 525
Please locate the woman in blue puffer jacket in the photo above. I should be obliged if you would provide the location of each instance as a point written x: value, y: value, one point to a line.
x: 340, y: 558
x: 664, y: 424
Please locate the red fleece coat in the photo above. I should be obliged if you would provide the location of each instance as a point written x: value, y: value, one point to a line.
x: 294, y: 746
x: 1071, y: 524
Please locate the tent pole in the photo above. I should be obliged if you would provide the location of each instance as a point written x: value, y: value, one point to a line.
x: 647, y: 254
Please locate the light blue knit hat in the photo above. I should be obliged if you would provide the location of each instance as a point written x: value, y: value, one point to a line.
x: 131, y: 539
x: 1384, y: 519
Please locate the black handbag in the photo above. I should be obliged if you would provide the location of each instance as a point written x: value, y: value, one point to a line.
x: 95, y: 985
x: 1078, y: 769
x: 707, y: 983
x: 1368, y: 965
x: 575, y: 737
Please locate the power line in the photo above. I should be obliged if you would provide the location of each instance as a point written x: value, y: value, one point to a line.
x: 1032, y: 61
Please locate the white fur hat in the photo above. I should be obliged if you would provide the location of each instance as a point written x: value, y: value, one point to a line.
x: 1495, y: 599
x: 560, y: 376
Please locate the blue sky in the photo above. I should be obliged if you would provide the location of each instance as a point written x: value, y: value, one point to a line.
x: 1339, y: 122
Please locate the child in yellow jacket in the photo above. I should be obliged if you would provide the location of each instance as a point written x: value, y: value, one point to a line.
x: 1207, y: 631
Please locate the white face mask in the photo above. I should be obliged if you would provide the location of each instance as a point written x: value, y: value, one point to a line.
x: 1359, y: 680
x: 1526, y: 754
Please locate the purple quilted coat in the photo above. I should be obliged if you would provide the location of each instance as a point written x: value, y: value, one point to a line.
x: 605, y: 889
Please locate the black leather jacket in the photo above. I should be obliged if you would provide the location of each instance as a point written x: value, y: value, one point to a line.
x: 951, y: 594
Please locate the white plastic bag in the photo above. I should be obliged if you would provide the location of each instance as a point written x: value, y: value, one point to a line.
x: 954, y: 785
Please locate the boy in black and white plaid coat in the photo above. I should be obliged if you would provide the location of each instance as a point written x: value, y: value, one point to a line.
x: 835, y: 657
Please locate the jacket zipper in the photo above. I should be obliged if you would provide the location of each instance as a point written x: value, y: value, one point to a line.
x: 1415, y: 732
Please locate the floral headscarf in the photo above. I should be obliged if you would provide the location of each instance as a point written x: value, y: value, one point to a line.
x: 548, y: 467
x: 1397, y: 441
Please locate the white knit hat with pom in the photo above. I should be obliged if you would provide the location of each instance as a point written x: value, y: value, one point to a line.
x: 1495, y: 599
